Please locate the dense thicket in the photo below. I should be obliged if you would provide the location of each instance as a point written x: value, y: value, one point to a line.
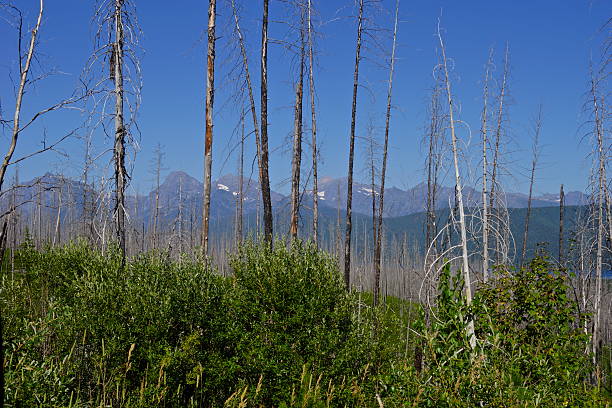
x: 281, y: 331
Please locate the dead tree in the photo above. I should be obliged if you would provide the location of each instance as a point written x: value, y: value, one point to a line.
x: 534, y: 162
x: 297, y: 131
x: 561, y: 214
x: 378, y: 241
x: 484, y: 131
x: 240, y: 195
x: 208, y: 140
x: 600, y: 158
x: 157, y: 167
x: 349, y: 194
x: 462, y: 225
x: 121, y: 176
x: 313, y: 119
x: 264, y: 177
x: 493, y: 216
x: 113, y: 72
x: 433, y: 163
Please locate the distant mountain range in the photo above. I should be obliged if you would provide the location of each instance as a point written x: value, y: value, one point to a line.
x: 181, y: 192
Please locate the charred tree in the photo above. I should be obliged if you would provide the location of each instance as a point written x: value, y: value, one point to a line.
x: 378, y: 242
x: 208, y: 140
x: 349, y: 194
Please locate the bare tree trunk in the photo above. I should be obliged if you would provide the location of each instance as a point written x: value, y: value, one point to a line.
x: 57, y: 235
x: 534, y: 162
x: 601, y: 176
x: 264, y: 176
x: 23, y: 80
x: 485, y: 210
x: 180, y: 217
x: 378, y: 242
x: 119, y: 148
x: 494, y: 218
x: 158, y: 168
x: 349, y: 195
x: 561, y: 205
x: 315, y: 180
x: 297, y: 137
x: 433, y: 164
x: 464, y: 250
x: 247, y: 75
x: 240, y: 201
x: 208, y: 141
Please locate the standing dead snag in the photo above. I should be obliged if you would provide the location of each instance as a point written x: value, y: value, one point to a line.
x: 116, y: 45
x: 534, y: 162
x: 598, y: 112
x: 297, y: 134
x: 485, y: 210
x: 264, y: 177
x: 247, y: 77
x: 315, y: 181
x: 349, y: 194
x: 210, y: 97
x: 459, y: 192
x: 378, y: 242
x: 23, y: 80
x: 117, y: 56
x: 493, y: 216
x: 561, y: 205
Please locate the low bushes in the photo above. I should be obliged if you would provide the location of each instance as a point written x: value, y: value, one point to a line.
x: 80, y: 331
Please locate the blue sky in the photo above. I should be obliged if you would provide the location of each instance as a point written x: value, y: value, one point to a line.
x: 550, y: 45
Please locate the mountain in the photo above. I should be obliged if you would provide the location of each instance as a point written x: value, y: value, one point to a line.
x: 180, y: 192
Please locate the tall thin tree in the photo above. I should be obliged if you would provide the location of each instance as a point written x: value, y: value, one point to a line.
x: 208, y: 140
x: 534, y: 162
x: 378, y: 242
x: 263, y: 171
x: 484, y: 133
x: 561, y: 216
x: 296, y: 162
x: 458, y: 190
x: 313, y: 119
x: 349, y: 193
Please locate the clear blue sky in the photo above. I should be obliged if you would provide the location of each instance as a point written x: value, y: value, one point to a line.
x: 550, y: 43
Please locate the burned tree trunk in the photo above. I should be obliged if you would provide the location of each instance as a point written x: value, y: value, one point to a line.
x: 378, y: 242
x: 349, y: 194
x: 313, y: 119
x: 208, y: 141
x: 561, y: 209
x: 119, y: 147
x: 263, y: 171
x: 296, y: 165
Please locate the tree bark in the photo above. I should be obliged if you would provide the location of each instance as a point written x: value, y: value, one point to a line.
x: 349, y: 195
x: 264, y: 175
x: 208, y: 141
x: 296, y: 165
x: 119, y: 147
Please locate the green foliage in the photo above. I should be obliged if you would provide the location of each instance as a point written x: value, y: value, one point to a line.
x: 81, y: 331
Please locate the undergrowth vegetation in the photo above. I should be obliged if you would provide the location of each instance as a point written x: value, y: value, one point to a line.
x: 80, y: 331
